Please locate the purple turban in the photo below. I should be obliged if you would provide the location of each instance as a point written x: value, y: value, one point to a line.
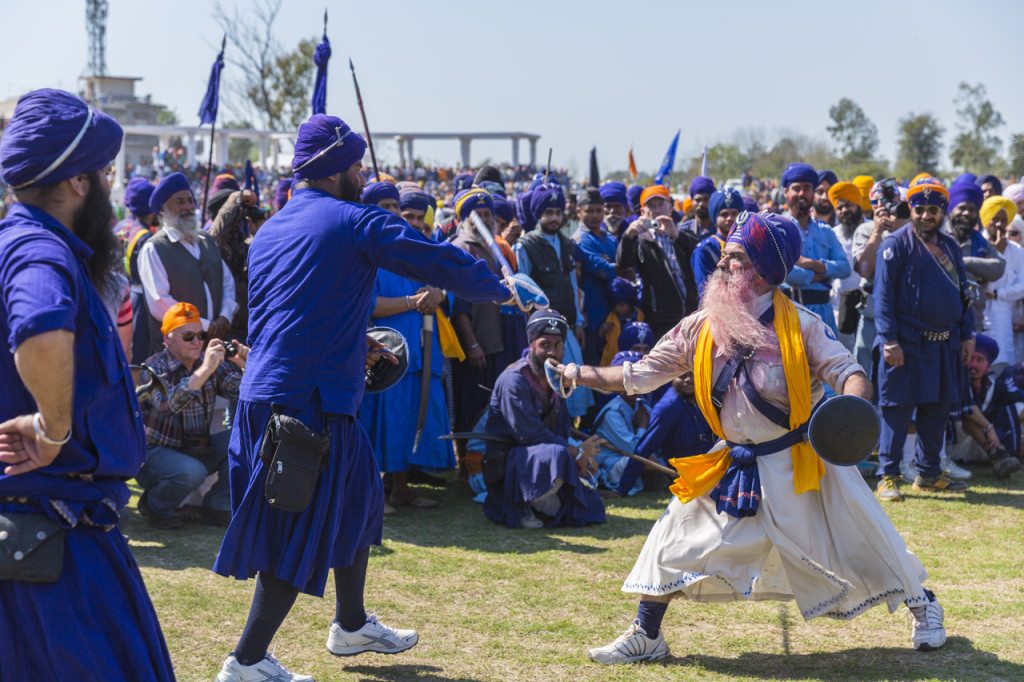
x: 470, y: 200
x: 965, y: 177
x: 962, y: 192
x: 463, y: 181
x: 772, y: 242
x: 284, y: 185
x: 136, y: 196
x: 168, y: 187
x: 376, y: 192
x: 799, y: 172
x: 225, y: 181
x: 538, y: 180
x: 997, y: 186
x: 636, y: 333
x: 826, y: 176
x: 625, y: 356
x: 614, y: 192
x: 416, y: 199
x: 728, y: 198
x: 545, y: 197
x: 503, y: 208
x: 621, y: 290
x: 324, y: 146
x: 750, y: 204
x: 987, y: 346
x: 633, y: 193
x: 53, y: 136
x: 526, y: 218
x: 701, y: 185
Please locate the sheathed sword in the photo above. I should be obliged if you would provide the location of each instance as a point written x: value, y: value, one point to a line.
x: 427, y: 343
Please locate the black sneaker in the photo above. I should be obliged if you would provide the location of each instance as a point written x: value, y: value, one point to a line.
x: 1004, y: 467
x: 171, y: 522
x: 938, y: 484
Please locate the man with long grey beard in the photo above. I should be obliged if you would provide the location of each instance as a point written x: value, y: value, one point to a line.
x: 181, y: 264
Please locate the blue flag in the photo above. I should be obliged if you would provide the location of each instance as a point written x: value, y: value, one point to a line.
x: 667, y: 163
x: 250, y: 179
x: 208, y: 109
x: 321, y: 56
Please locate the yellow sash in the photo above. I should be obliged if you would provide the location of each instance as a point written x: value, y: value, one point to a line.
x: 450, y: 346
x: 698, y: 475
x: 131, y: 248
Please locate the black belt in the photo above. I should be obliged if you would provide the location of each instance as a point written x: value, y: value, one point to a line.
x: 811, y: 296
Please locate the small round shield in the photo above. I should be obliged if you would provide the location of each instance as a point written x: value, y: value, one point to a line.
x: 385, y: 374
x: 844, y: 430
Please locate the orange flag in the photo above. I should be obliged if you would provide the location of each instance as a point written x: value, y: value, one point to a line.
x: 632, y: 165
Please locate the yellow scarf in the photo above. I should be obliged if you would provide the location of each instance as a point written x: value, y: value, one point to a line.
x: 450, y: 346
x: 698, y: 475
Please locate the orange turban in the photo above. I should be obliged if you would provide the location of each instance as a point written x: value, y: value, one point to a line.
x: 864, y: 183
x: 687, y: 205
x: 919, y: 176
x: 178, y: 315
x: 654, y: 191
x: 991, y: 207
x: 847, y: 191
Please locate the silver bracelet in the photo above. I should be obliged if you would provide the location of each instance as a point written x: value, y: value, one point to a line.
x: 579, y: 454
x: 37, y: 425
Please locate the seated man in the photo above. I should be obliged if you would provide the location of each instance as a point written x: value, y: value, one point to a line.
x: 622, y: 422
x: 536, y: 468
x: 181, y: 451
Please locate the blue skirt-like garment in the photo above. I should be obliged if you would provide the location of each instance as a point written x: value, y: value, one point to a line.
x: 344, y: 517
x: 389, y: 418
x: 95, y: 623
x: 531, y: 471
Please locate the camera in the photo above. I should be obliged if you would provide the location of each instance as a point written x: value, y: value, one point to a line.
x: 892, y: 200
x: 255, y: 212
x: 230, y: 350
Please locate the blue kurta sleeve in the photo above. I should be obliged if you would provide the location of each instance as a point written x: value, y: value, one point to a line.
x: 522, y: 259
x: 593, y: 262
x: 515, y: 401
x: 704, y: 262
x: 887, y: 271
x: 800, y: 277
x: 38, y: 288
x: 618, y: 431
x: 663, y: 420
x: 837, y: 265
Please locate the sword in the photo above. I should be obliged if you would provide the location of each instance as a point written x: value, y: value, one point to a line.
x: 427, y: 342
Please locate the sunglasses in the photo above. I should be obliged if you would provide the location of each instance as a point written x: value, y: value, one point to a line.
x: 930, y: 210
x: 189, y: 337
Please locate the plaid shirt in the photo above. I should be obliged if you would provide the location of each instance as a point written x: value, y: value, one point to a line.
x: 181, y: 419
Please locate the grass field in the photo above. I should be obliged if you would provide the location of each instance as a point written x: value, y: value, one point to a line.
x: 497, y: 604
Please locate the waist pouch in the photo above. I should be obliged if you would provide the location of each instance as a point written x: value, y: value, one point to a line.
x: 849, y: 311
x: 294, y: 456
x: 494, y: 466
x: 31, y: 547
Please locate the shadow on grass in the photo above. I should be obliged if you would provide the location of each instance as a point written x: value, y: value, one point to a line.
x: 400, y: 673
x: 958, y: 659
x: 1014, y: 499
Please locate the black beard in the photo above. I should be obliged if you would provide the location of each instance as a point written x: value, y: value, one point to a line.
x: 550, y: 228
x: 961, y: 226
x: 824, y: 209
x: 350, y: 190
x: 850, y: 224
x: 702, y: 214
x: 92, y: 223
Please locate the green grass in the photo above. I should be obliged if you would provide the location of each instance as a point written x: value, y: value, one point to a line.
x: 498, y: 604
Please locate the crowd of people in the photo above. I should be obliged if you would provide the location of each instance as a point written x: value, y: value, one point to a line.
x: 907, y: 293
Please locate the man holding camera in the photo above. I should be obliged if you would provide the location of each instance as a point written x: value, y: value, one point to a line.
x: 181, y: 450
x: 233, y: 229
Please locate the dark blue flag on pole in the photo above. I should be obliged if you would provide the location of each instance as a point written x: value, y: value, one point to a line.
x: 667, y: 163
x: 208, y: 109
x: 321, y: 56
x: 251, y: 183
x: 594, y: 179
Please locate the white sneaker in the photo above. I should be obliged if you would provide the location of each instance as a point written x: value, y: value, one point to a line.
x: 632, y: 646
x: 907, y: 470
x: 373, y: 636
x: 929, y: 631
x: 268, y: 670
x: 529, y: 520
x: 954, y: 470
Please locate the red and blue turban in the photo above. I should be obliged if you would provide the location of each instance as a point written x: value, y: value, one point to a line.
x: 965, y: 192
x: 772, y: 242
x: 545, y: 197
x: 415, y: 199
x: 614, y: 192
x: 927, y: 191
x: 636, y: 333
x: 136, y: 196
x: 987, y: 346
x: 633, y: 194
x: 727, y: 198
x: 621, y: 290
x: 168, y: 187
x: 53, y: 136
x: 701, y: 185
x: 325, y: 145
x: 523, y: 213
x: 376, y: 192
x: 503, y: 208
x: 826, y: 176
x: 799, y: 172
x: 470, y: 200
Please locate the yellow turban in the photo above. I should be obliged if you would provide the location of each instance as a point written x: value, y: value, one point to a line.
x: 919, y: 176
x: 864, y: 183
x: 847, y: 191
x: 991, y: 207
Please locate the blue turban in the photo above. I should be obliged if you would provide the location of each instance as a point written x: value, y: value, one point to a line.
x: 503, y: 208
x: 750, y: 204
x: 987, y: 346
x: 317, y: 145
x: 633, y: 193
x: 621, y: 290
x: 965, y: 177
x: 470, y: 200
x: 997, y: 186
x: 614, y: 192
x: 772, y: 242
x: 625, y: 356
x: 728, y: 198
x: 523, y: 213
x: 701, y: 185
x: 416, y: 199
x: 463, y: 181
x: 493, y: 188
x: 545, y: 197
x: 136, y: 196
x: 53, y: 136
x: 538, y: 180
x: 636, y: 333
x: 376, y: 192
x: 169, y: 186
x: 799, y: 172
x: 962, y: 192
x: 284, y: 185
x: 826, y: 176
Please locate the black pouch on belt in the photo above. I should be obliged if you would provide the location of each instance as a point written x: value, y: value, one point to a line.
x: 494, y: 466
x: 294, y: 456
x: 31, y: 547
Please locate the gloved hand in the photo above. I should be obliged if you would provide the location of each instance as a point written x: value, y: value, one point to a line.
x: 526, y: 295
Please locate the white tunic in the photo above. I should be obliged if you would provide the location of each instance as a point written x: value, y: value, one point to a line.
x: 834, y: 551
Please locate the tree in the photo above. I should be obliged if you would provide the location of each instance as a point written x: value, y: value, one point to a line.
x: 920, y: 145
x: 167, y: 117
x: 855, y: 136
x: 976, y: 147
x: 1015, y: 155
x: 724, y: 161
x: 273, y: 86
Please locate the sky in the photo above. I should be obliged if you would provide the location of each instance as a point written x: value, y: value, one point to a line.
x: 580, y: 73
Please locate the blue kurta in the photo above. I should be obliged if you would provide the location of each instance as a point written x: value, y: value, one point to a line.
x: 614, y: 423
x: 390, y: 417
x: 820, y: 243
x: 96, y: 621
x: 596, y: 254
x: 705, y: 259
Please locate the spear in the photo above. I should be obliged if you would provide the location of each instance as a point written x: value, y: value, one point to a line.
x: 547, y: 171
x: 366, y: 126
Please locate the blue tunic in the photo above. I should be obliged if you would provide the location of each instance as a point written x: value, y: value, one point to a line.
x: 913, y: 294
x: 820, y: 243
x: 705, y: 259
x: 390, y: 417
x: 596, y: 254
x: 96, y: 621
x: 312, y: 270
x: 614, y: 423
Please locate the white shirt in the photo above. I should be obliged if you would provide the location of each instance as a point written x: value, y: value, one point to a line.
x: 158, y: 290
x: 851, y: 281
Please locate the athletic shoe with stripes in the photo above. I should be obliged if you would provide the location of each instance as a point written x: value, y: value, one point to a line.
x: 929, y: 629
x: 269, y: 669
x: 373, y: 636
x: 632, y: 646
